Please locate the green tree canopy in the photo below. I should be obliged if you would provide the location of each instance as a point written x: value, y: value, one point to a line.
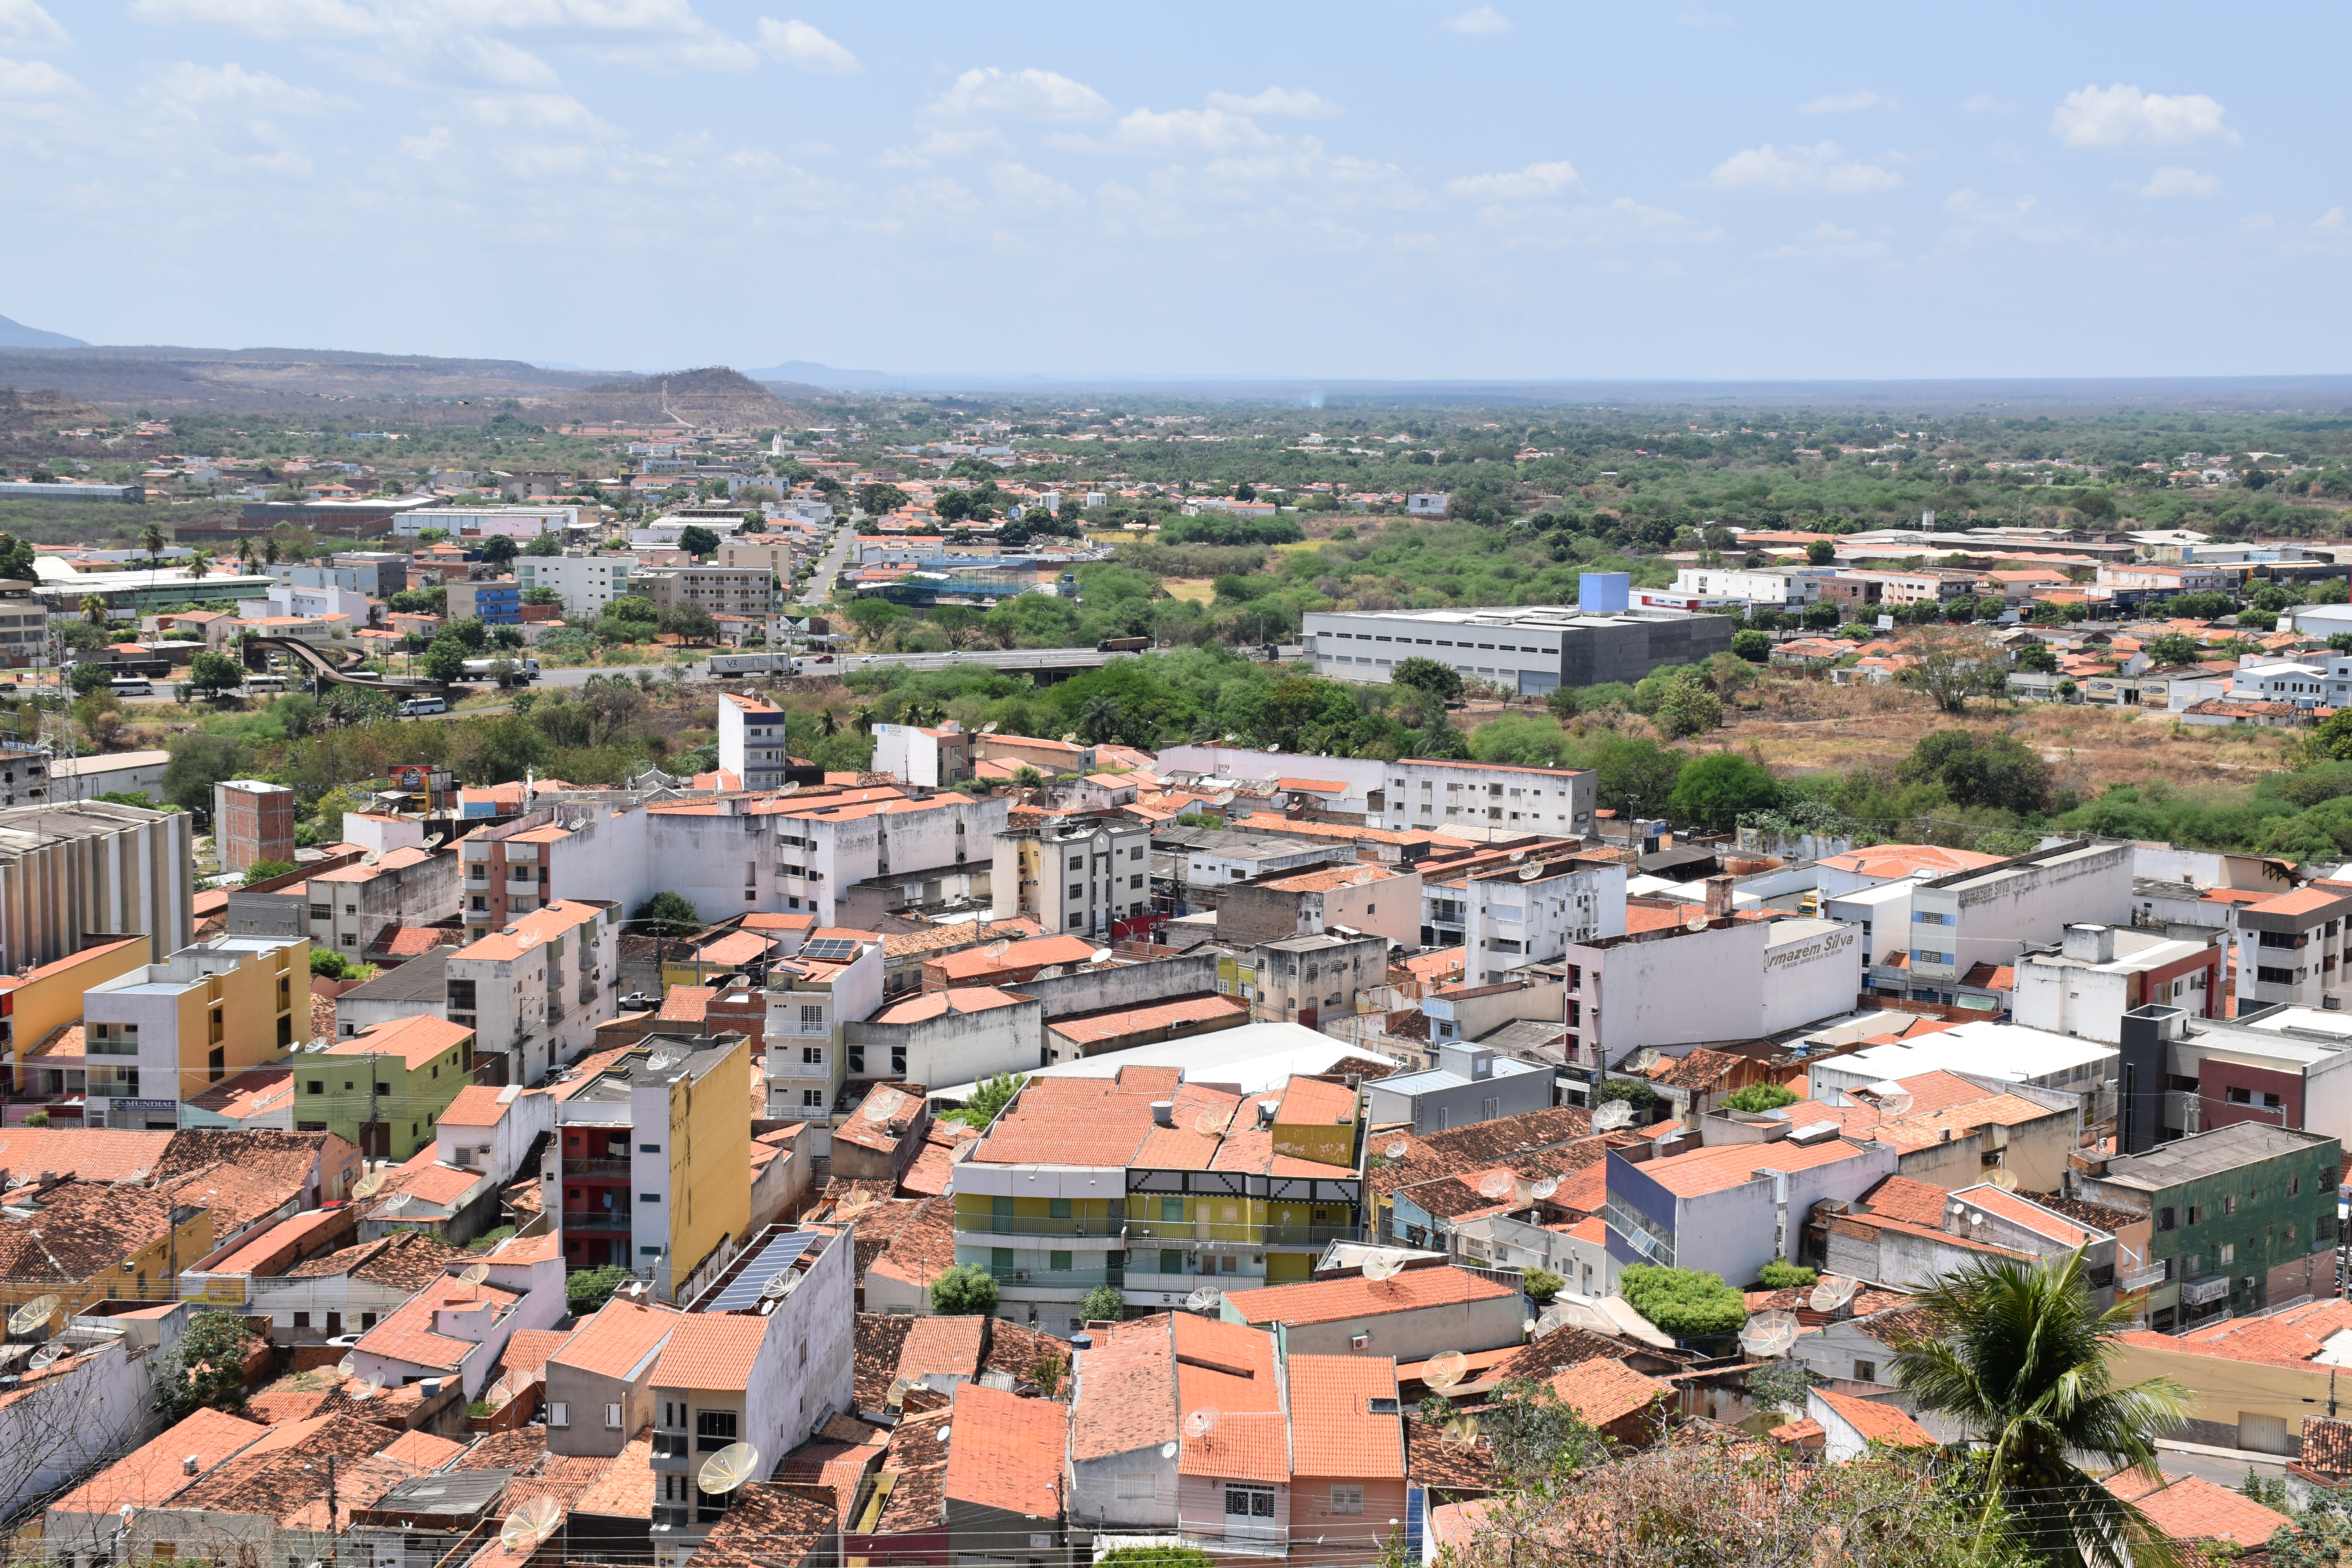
x: 989, y: 1097
x: 1756, y: 648
x: 206, y: 1369
x: 214, y: 672
x: 1758, y: 1097
x: 498, y: 549
x: 588, y: 1290
x: 1440, y: 680
x: 2168, y: 649
x: 199, y: 762
x: 1684, y: 1302
x: 1977, y: 768
x: 1719, y: 786
x: 964, y: 1291
x: 698, y: 542
x: 671, y: 914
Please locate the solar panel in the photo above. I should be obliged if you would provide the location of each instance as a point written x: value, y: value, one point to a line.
x: 831, y: 949
x: 743, y: 1292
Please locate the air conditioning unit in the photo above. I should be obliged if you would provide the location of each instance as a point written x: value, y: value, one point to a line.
x: 1021, y: 1277
x: 1361, y: 1342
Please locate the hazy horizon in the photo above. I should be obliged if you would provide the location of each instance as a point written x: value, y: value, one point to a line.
x: 1418, y: 193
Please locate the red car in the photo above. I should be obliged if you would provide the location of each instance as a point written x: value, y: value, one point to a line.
x: 822, y: 658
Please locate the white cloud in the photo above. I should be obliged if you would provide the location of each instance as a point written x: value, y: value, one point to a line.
x: 497, y: 62
x: 1975, y: 217
x: 2333, y: 219
x: 1845, y: 102
x: 24, y: 25
x: 1016, y: 183
x: 798, y: 45
x: 2121, y: 116
x: 1297, y: 102
x: 1986, y: 103
x: 189, y: 86
x: 1830, y: 243
x: 34, y: 78
x: 539, y: 111
x: 1029, y: 94
x: 1820, y: 167
x: 1483, y: 19
x: 1620, y: 224
x: 1706, y: 20
x: 2177, y: 182
x: 1152, y: 131
x: 263, y: 18
x: 1534, y: 182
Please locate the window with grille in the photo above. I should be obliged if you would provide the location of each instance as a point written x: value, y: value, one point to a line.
x: 1347, y: 1499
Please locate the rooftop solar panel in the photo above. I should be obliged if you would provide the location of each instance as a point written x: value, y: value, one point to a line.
x: 831, y: 949
x: 743, y: 1291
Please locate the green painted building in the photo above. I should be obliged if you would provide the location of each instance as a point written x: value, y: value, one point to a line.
x: 2242, y: 1218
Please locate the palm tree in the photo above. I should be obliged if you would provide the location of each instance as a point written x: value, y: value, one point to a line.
x: 2016, y: 1352
x: 862, y: 718
x: 200, y: 564
x: 269, y: 553
x: 1099, y: 721
x: 245, y: 554
x: 152, y: 538
x: 826, y: 724
x: 93, y: 609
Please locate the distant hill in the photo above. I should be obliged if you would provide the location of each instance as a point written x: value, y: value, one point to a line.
x: 713, y: 394
x: 16, y: 336
x: 22, y: 413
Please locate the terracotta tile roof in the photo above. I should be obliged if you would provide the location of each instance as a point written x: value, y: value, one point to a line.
x: 417, y: 1040
x: 687, y: 1004
x: 710, y: 1351
x: 1440, y: 1466
x: 80, y: 1228
x: 1542, y: 1358
x: 1006, y: 1452
x: 408, y: 1335
x: 274, y: 1477
x: 911, y: 1239
x: 2302, y: 901
x: 916, y: 1462
x: 520, y: 1448
x: 1126, y: 1394
x: 423, y: 1449
x: 154, y: 1470
x: 1327, y: 878
x: 1701, y: 1068
x: 879, y: 1337
x: 768, y: 1526
x: 1333, y: 1431
x: 772, y: 920
x: 279, y: 1406
x: 476, y: 1105
x: 1020, y: 1350
x: 1603, y: 1391
x: 945, y: 1345
x: 626, y: 1491
x: 937, y: 1003
x: 2190, y: 1507
x: 618, y: 1341
x: 408, y: 1259
x: 1803, y: 1433
x: 2327, y: 1445
x: 1720, y: 1169
x: 1094, y: 1028
x: 1875, y: 1422
x: 558, y: 919
x: 975, y: 963
x: 1912, y: 1202
x: 1245, y: 1446
x: 527, y: 1349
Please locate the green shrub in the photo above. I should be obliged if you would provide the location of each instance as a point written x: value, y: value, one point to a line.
x: 1783, y: 1275
x: 590, y: 1289
x: 1760, y: 1097
x: 1635, y: 1093
x: 964, y: 1291
x: 1684, y: 1302
x: 1541, y: 1284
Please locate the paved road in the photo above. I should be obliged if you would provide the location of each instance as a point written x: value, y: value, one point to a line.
x: 829, y: 565
x: 997, y: 658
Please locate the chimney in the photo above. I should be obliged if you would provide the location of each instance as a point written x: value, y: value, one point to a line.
x: 1163, y: 1113
x: 190, y: 1465
x: 1952, y: 1213
x: 1719, y: 897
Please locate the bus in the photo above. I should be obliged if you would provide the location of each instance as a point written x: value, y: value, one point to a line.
x: 262, y: 683
x: 130, y: 686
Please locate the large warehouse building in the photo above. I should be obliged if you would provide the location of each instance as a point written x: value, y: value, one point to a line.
x: 1528, y: 649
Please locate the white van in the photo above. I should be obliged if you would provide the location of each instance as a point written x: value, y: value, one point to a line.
x: 415, y: 706
x: 130, y: 686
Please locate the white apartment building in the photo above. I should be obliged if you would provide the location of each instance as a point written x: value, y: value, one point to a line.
x: 1988, y: 914
x: 2307, y: 682
x: 752, y: 741
x: 1073, y: 873
x: 1786, y: 587
x: 824, y: 853
x: 535, y: 991
x: 1526, y: 914
x: 508, y: 521
x: 587, y: 583
x: 809, y: 999
x: 1554, y: 801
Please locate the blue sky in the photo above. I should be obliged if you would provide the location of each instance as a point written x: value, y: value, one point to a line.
x: 1374, y: 190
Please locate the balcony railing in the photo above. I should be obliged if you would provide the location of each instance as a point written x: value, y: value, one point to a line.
x: 1028, y: 1225
x: 595, y: 1167
x: 1059, y: 1278
x: 2151, y: 1275
x: 596, y: 1219
x: 1206, y: 1232
x: 669, y: 1445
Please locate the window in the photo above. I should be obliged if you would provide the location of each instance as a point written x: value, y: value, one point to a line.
x: 1172, y: 1208
x: 812, y: 1056
x: 2240, y: 1097
x: 1059, y: 1262
x: 2228, y: 1203
x: 1243, y: 1504
x: 1077, y: 890
x: 2295, y: 1186
x: 1133, y: 1484
x: 2195, y: 1214
x: 612, y: 1417
x: 1347, y: 1499
x: 461, y: 995
x: 2168, y: 1218
x: 1865, y: 1372
x: 649, y: 1147
x: 558, y: 1414
x: 713, y: 1430
x: 648, y: 1197
x: 317, y: 1087
x: 2228, y: 1253
x: 812, y: 1018
x: 811, y: 1099
x: 1057, y: 1208
x: 301, y: 1319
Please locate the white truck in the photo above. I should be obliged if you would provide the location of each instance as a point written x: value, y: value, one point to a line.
x: 506, y: 671
x: 723, y: 664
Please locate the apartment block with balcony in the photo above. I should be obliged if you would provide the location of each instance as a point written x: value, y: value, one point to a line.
x: 764, y: 1355
x: 2290, y: 950
x: 587, y: 583
x: 1156, y: 1188
x: 536, y: 990
x: 809, y: 999
x: 1075, y: 873
x: 1428, y: 794
x: 651, y: 1165
x: 164, y: 1033
x: 496, y: 601
x: 751, y: 742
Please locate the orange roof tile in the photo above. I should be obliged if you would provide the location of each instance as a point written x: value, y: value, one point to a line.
x: 155, y: 1469
x: 1333, y: 1431
x: 1876, y: 1423
x: 936, y: 1004
x: 712, y: 1351
x: 408, y: 1335
x: 618, y: 1340
x: 1603, y: 1391
x: 1330, y: 1300
x: 476, y: 1105
x: 1095, y: 1027
x: 417, y: 1040
x: 2190, y: 1507
x: 1721, y: 1169
x: 1006, y: 1452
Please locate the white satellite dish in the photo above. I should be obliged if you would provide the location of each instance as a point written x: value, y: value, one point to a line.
x: 879, y: 1108
x: 1644, y: 1060
x: 898, y: 1387
x: 2004, y: 1178
x: 1768, y: 1334
x: 731, y: 1468
x: 348, y: 1366
x: 1832, y: 1292
x: 34, y: 1315
x: 1553, y: 1319
x: 369, y: 1185
x: 1462, y: 1432
x: 1695, y: 919
x: 529, y: 1525
x: 782, y: 1286
x: 1102, y: 955
x: 1616, y: 1114
x: 1382, y: 1264
x: 1399, y: 1150
x: 1893, y: 1099
x: 474, y: 1274
x: 1204, y: 1301
x: 1167, y: 1450
x: 48, y: 1355
x: 1496, y: 1184
x: 1212, y: 1122
x: 1201, y: 1423
x: 368, y: 1388
x: 1445, y: 1370
x: 1542, y: 1191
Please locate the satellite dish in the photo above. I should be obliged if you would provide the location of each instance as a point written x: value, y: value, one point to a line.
x: 898, y: 1387
x: 880, y: 1109
x: 1768, y: 1334
x: 1204, y: 1301
x: 1069, y: 737
x: 48, y: 1355
x: 475, y: 1274
x: 1212, y: 1122
x: 1695, y: 919
x: 1831, y: 1292
x: 856, y: 1202
x: 1400, y: 1149
x: 1616, y: 1114
x: 367, y: 1388
x: 1542, y: 1191
x: 1445, y: 1371
x: 1167, y: 1450
x: 1644, y: 1060
x: 529, y: 1525
x: 1496, y: 1184
x: 996, y: 950
x: 348, y: 1366
x: 33, y: 1314
x: 731, y: 1468
x: 782, y: 1286
x: 1382, y: 1265
x: 1462, y: 1432
x: 369, y: 1185
x: 1553, y: 1319
x: 1102, y: 955
x: 1201, y: 1422
x: 2004, y: 1178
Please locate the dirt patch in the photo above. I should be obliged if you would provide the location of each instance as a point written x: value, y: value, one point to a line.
x: 1200, y: 590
